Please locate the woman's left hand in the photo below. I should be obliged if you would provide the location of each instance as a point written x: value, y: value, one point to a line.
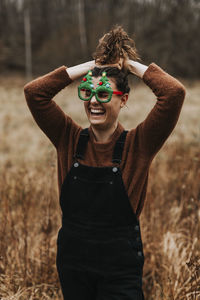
x: 134, y: 67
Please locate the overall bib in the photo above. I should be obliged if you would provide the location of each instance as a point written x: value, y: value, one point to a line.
x: 99, y: 246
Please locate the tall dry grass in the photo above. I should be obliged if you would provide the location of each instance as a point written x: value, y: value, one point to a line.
x: 30, y: 213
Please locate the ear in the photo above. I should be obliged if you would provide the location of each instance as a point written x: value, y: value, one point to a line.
x: 124, y: 99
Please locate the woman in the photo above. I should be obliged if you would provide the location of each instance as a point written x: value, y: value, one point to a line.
x: 103, y: 170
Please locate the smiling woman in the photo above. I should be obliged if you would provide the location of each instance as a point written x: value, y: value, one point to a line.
x: 103, y: 109
x: 103, y: 170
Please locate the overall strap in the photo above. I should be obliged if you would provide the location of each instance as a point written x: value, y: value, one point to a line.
x: 119, y: 147
x: 82, y: 143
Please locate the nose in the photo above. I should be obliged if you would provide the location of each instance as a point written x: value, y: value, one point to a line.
x: 93, y: 100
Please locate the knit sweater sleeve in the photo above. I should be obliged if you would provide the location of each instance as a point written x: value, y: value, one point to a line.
x: 47, y: 114
x: 160, y: 122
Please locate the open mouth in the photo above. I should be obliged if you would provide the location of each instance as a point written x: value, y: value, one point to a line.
x: 96, y: 112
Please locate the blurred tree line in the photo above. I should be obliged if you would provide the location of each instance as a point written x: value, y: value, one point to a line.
x: 39, y: 35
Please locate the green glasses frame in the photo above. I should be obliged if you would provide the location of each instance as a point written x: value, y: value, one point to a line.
x: 103, y: 86
x: 96, y: 91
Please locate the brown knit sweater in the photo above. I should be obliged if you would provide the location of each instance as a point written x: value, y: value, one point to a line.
x: 142, y: 142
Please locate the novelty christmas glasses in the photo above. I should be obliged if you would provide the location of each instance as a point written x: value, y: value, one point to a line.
x: 103, y: 92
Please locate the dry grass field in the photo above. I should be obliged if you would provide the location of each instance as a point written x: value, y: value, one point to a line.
x: 30, y: 213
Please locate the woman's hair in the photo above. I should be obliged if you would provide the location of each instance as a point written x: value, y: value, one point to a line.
x: 114, y: 45
x: 120, y: 78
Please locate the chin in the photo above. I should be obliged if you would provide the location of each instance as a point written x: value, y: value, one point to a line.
x: 98, y: 124
x: 101, y: 126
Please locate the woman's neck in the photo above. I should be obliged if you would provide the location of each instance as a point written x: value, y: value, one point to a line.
x: 102, y: 135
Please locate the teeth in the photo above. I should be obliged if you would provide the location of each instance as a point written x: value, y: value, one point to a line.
x: 96, y: 111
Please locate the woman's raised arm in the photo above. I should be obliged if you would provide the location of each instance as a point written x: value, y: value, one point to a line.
x: 161, y: 120
x: 39, y: 95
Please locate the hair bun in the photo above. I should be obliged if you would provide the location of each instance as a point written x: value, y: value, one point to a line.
x: 114, y: 45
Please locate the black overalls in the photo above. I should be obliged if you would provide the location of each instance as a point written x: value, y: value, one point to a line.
x: 100, y: 254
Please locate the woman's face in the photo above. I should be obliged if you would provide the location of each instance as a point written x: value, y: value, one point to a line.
x: 104, y: 115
